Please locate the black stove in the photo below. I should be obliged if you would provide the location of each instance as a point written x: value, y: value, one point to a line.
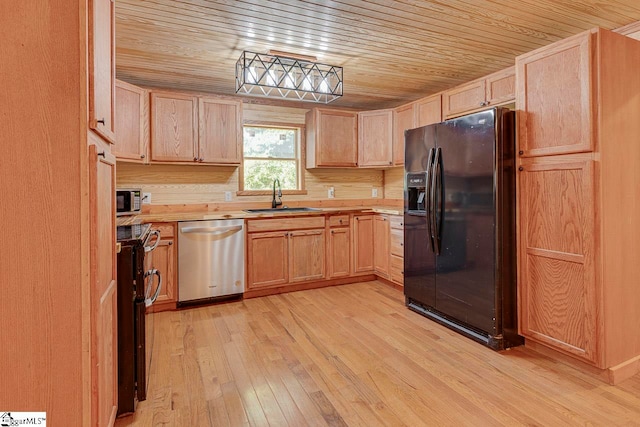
x: 131, y: 234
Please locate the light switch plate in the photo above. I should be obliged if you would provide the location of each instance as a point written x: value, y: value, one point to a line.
x: 374, y: 192
x: 331, y: 193
x: 146, y: 198
x: 227, y: 196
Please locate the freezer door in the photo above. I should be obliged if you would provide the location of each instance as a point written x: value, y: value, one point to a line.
x: 465, y: 267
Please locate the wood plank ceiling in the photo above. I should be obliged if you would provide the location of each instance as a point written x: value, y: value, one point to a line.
x: 392, y: 51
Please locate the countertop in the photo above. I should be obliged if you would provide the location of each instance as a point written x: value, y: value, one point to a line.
x: 205, y: 215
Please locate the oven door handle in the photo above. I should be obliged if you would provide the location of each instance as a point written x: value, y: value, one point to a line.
x: 149, y: 301
x: 152, y: 233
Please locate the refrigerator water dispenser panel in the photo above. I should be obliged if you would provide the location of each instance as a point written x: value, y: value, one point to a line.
x: 416, y: 187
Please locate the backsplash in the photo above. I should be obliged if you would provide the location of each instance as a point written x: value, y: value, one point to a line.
x: 177, y: 184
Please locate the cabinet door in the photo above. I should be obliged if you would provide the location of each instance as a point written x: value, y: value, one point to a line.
x: 467, y: 97
x: 220, y: 131
x: 381, y: 245
x: 102, y: 68
x: 267, y: 259
x: 306, y: 255
x: 132, y: 123
x: 163, y: 258
x: 403, y: 119
x: 339, y: 259
x: 554, y: 98
x: 363, y: 244
x: 174, y: 135
x: 103, y: 287
x: 557, y: 288
x: 501, y: 86
x: 332, y: 138
x: 375, y: 138
x: 428, y: 110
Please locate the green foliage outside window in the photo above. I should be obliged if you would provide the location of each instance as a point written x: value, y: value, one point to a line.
x: 270, y: 153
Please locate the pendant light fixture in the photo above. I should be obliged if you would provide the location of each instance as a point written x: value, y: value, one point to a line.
x: 290, y: 76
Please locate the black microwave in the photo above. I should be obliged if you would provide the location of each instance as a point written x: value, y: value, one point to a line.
x: 128, y: 201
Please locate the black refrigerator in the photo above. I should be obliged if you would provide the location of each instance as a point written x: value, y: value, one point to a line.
x: 459, y: 215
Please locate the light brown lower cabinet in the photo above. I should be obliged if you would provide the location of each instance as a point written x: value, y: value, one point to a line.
x: 381, y: 245
x: 267, y: 259
x: 339, y: 254
x: 286, y: 256
x: 363, y: 244
x: 396, y: 243
x: 164, y: 259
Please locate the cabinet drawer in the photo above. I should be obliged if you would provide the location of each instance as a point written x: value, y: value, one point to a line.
x: 396, y: 269
x: 338, y: 220
x: 166, y: 229
x: 397, y: 221
x: 285, y: 224
x: 397, y: 242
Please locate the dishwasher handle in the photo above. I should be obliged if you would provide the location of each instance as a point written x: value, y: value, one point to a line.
x: 211, y: 230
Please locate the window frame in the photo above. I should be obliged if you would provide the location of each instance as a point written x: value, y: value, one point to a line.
x: 300, y: 161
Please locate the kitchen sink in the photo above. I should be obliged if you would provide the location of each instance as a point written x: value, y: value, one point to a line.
x: 283, y: 210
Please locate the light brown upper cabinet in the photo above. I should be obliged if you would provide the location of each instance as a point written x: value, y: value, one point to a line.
x: 375, y: 138
x: 174, y: 124
x: 578, y: 215
x: 331, y: 138
x: 404, y: 117
x: 428, y: 110
x: 553, y: 83
x: 188, y: 129
x: 220, y: 131
x: 102, y: 71
x: 494, y: 89
x: 132, y: 123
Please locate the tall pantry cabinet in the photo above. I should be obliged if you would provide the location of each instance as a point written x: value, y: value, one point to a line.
x: 578, y: 103
x: 58, y: 272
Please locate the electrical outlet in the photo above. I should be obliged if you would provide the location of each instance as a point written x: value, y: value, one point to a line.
x: 374, y: 192
x: 146, y: 198
x: 227, y: 196
x: 331, y: 193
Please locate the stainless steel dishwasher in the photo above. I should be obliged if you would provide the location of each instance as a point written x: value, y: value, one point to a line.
x: 210, y: 260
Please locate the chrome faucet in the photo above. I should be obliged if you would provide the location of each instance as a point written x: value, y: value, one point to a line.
x: 276, y: 202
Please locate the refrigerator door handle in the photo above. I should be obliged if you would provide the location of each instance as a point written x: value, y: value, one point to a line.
x: 436, y: 191
x: 429, y: 201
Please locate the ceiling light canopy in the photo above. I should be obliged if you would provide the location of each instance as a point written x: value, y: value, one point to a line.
x: 289, y: 76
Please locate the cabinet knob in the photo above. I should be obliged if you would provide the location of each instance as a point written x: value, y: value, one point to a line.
x: 401, y: 224
x: 101, y: 154
x: 401, y: 244
x: 332, y: 231
x: 390, y: 163
x: 170, y: 243
x: 101, y: 121
x: 520, y: 168
x: 202, y: 159
x: 195, y: 159
x: 340, y: 221
x: 142, y: 156
x: 521, y: 152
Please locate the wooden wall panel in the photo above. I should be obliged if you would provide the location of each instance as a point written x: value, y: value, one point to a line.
x: 394, y: 183
x: 177, y: 184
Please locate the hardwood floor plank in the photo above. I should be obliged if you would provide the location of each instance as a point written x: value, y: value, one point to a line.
x: 355, y: 355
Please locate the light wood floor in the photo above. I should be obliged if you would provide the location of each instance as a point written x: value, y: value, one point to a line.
x: 354, y: 355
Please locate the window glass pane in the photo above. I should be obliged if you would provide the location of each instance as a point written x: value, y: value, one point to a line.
x: 259, y: 174
x: 269, y: 142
